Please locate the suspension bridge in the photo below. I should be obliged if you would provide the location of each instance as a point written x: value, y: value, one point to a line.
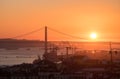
x: 54, y: 31
x: 53, y: 35
x: 66, y: 43
x: 65, y: 40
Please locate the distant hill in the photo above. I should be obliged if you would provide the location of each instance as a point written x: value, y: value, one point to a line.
x: 14, y: 43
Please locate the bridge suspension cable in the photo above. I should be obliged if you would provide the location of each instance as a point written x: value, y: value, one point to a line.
x: 29, y: 33
x: 65, y: 34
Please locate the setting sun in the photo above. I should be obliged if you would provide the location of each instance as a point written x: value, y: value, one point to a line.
x: 93, y: 35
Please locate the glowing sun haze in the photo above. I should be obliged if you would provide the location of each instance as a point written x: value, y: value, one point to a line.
x: 93, y: 35
x: 74, y: 17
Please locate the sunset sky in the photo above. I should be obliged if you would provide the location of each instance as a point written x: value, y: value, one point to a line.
x: 75, y: 17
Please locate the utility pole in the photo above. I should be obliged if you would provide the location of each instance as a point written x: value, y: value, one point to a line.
x: 111, y: 55
x: 67, y: 51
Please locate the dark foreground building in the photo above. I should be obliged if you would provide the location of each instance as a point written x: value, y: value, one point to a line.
x: 70, y: 68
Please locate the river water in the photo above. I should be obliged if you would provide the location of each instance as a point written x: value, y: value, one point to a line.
x: 29, y: 54
x: 21, y: 55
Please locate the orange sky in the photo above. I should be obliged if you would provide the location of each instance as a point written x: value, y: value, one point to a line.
x: 74, y: 17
